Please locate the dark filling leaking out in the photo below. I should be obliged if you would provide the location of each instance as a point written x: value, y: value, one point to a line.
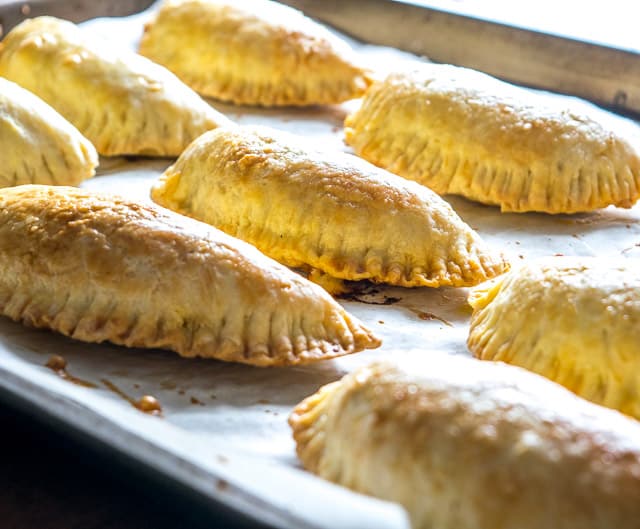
x: 361, y: 294
x: 196, y: 402
x: 430, y: 316
x: 386, y: 300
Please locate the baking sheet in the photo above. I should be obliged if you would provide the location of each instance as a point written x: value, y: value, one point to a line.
x: 223, y: 431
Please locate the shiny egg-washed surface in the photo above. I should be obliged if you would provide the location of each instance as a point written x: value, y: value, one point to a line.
x: 99, y: 268
x: 121, y: 101
x: 463, y: 132
x: 253, y: 52
x: 329, y: 211
x: 573, y: 320
x: 467, y: 444
x: 39, y: 146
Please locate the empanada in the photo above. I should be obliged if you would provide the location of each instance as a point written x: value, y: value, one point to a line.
x: 463, y: 132
x: 327, y: 211
x: 122, y: 102
x: 38, y: 144
x: 466, y: 444
x: 96, y: 267
x: 253, y: 52
x: 573, y: 320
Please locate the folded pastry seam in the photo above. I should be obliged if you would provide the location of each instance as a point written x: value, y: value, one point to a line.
x: 463, y: 443
x: 572, y: 320
x: 39, y: 145
x: 123, y: 102
x: 462, y: 132
x: 253, y: 52
x: 97, y: 267
x: 327, y: 211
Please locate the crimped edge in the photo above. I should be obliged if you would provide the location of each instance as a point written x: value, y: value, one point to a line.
x: 425, y: 161
x: 307, y: 421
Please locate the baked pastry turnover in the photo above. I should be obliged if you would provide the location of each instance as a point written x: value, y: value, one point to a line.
x: 461, y: 443
x: 253, y: 52
x: 38, y: 144
x: 573, y: 320
x: 122, y: 102
x: 462, y: 132
x: 324, y: 211
x: 96, y: 267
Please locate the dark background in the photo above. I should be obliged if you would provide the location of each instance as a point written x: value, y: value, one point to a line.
x: 50, y: 481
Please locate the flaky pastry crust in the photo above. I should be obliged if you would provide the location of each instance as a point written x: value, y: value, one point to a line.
x: 573, y: 320
x: 97, y: 267
x: 253, y: 52
x: 461, y: 443
x: 39, y: 146
x: 327, y: 211
x: 121, y: 101
x: 462, y: 132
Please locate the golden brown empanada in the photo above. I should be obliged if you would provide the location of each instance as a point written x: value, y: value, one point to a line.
x: 253, y: 52
x: 460, y: 131
x: 97, y: 267
x: 465, y: 444
x: 573, y: 320
x: 38, y: 144
x: 328, y: 211
x: 122, y: 102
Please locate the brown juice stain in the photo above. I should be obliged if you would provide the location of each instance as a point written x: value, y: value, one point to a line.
x: 196, y: 402
x: 627, y: 250
x: 146, y: 404
x: 222, y: 485
x: 429, y: 316
x: 58, y: 365
x: 149, y: 404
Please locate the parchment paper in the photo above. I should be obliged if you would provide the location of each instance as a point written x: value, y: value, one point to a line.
x: 223, y: 431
